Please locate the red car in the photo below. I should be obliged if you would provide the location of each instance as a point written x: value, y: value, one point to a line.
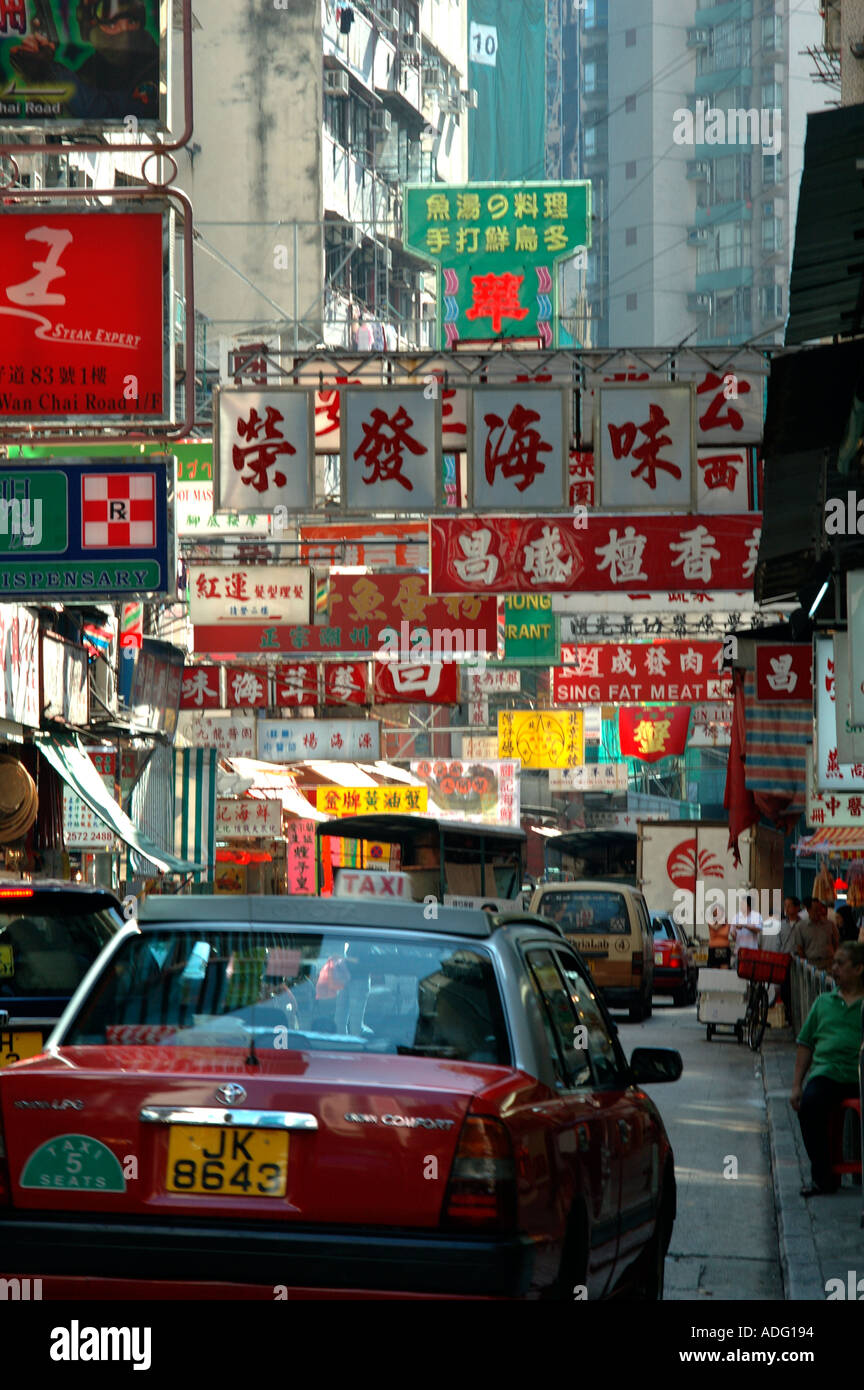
x: 270, y: 1097
x: 675, y: 969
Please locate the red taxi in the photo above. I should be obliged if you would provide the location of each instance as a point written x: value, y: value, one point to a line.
x: 275, y: 1098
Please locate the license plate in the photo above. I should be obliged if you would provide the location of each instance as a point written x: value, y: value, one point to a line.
x: 228, y: 1162
x: 15, y: 1046
x: 658, y: 957
x: 7, y: 962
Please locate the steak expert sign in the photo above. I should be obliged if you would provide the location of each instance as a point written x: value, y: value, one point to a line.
x: 81, y: 317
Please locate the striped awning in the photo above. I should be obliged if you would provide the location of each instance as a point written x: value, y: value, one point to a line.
x: 776, y: 740
x: 195, y: 807
x: 833, y: 839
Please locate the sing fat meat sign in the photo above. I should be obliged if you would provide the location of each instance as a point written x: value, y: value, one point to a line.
x: 94, y: 530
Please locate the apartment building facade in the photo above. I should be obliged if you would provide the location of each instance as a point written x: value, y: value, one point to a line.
x: 694, y: 226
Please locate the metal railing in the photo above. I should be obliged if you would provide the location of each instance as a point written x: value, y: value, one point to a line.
x: 806, y: 983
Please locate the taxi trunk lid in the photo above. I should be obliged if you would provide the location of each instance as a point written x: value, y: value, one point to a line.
x: 322, y: 1137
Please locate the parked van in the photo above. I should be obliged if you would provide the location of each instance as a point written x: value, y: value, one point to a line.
x: 610, y: 927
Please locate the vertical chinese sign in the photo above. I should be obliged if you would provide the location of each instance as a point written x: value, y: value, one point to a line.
x: 262, y: 450
x: 497, y: 247
x: 300, y: 874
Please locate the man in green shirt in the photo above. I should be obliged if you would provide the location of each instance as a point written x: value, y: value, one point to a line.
x: 828, y: 1050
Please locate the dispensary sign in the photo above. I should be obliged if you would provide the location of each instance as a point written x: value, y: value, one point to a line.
x: 86, y: 530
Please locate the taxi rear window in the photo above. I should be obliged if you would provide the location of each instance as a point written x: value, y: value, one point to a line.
x: 47, y: 944
x: 297, y: 991
x: 587, y: 912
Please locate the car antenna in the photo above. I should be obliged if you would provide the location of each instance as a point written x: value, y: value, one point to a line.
x: 252, y: 1060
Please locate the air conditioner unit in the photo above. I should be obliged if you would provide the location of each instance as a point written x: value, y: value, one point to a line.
x: 381, y: 121
x: 415, y: 279
x: 412, y: 42
x: 337, y: 83
x: 388, y: 259
x: 433, y: 76
x: 696, y: 38
x: 697, y: 235
x: 698, y: 168
x: 472, y: 98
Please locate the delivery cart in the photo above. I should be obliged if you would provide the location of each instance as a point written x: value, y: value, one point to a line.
x: 722, y: 1002
x: 759, y: 969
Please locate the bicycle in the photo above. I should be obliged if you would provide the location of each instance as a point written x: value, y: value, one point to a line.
x: 761, y: 968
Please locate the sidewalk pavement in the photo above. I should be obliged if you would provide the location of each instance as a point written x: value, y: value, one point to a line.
x: 821, y: 1238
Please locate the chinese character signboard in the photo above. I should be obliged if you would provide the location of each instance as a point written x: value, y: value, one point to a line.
x: 80, y: 531
x: 521, y: 440
x: 390, y: 451
x: 831, y: 807
x: 497, y: 247
x: 401, y: 607
x: 855, y: 612
x: 501, y: 555
x: 723, y: 480
x: 262, y: 449
x: 541, y: 738
x: 383, y: 545
x: 300, y: 867
x: 652, y: 734
x: 357, y: 801
x: 82, y: 829
x: 67, y: 350
x: 247, y: 687
x: 639, y: 671
x: 784, y: 672
x: 530, y: 631
x: 91, y: 68
x: 297, y: 684
x: 591, y: 777
x: 483, y: 747
x: 300, y: 740
x: 490, y: 682
x: 729, y: 395
x: 346, y: 682
x: 201, y: 688
x: 473, y: 791
x: 233, y: 736
x: 831, y: 774
x: 19, y: 657
x: 646, y: 447
x: 241, y: 593
x: 411, y: 682
x: 245, y: 819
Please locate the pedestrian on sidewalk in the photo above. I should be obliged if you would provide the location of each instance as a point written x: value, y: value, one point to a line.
x: 719, y: 950
x: 817, y: 939
x: 828, y: 1047
x: 746, y: 926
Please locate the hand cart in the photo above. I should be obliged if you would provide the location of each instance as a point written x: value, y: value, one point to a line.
x: 722, y: 1002
x: 761, y: 969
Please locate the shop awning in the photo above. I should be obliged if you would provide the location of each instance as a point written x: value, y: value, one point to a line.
x: 74, y: 766
x: 833, y: 839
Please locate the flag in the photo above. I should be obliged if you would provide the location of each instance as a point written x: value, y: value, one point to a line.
x: 195, y: 807
x: 650, y: 734
x: 775, y: 753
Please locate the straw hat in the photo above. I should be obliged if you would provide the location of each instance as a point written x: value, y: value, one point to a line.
x: 19, y: 801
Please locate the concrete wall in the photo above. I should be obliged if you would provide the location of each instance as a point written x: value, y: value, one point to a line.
x: 258, y: 121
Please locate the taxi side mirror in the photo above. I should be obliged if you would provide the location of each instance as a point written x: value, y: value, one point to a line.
x: 651, y: 1065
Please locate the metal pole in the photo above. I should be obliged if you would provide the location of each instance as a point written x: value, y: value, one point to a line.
x: 297, y: 290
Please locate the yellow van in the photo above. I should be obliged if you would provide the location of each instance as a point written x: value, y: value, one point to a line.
x: 610, y: 927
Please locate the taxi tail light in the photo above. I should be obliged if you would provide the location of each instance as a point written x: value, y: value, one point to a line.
x: 481, y: 1193
x: 5, y: 1190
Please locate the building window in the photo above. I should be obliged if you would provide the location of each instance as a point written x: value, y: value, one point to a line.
x: 630, y: 169
x: 630, y: 236
x: 630, y: 104
x: 772, y: 169
x: 629, y: 38
x: 632, y: 303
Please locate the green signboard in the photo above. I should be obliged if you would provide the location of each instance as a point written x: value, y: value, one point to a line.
x: 530, y: 631
x: 497, y: 247
x: 33, y: 513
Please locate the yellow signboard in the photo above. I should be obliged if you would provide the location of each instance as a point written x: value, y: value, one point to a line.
x: 364, y: 801
x: 542, y: 738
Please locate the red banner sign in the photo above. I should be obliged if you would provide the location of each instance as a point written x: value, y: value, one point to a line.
x: 599, y: 554
x: 201, y: 688
x: 346, y: 682
x: 297, y: 684
x: 784, y: 671
x: 387, y: 545
x: 65, y: 349
x: 615, y: 672
x: 402, y: 603
x: 247, y: 687
x: 410, y: 682
x: 652, y: 734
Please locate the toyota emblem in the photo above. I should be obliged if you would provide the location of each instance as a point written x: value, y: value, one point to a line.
x: 231, y: 1094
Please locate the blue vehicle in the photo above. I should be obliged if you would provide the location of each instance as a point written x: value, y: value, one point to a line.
x: 50, y: 934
